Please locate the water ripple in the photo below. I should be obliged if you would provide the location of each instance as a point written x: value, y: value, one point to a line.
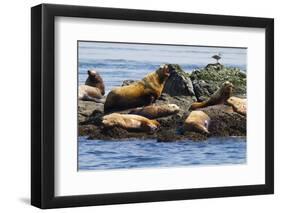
x: 102, y: 155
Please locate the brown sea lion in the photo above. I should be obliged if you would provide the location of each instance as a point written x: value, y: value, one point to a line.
x: 95, y: 80
x: 93, y: 90
x: 219, y: 97
x: 239, y: 105
x: 130, y: 122
x: 197, y: 121
x: 140, y: 93
x: 156, y: 111
x: 88, y: 93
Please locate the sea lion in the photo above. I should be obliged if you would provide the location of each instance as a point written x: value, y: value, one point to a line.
x: 197, y: 121
x: 95, y: 80
x: 239, y: 105
x: 156, y: 111
x: 130, y: 122
x: 88, y: 93
x: 93, y: 90
x: 139, y: 93
x: 219, y: 97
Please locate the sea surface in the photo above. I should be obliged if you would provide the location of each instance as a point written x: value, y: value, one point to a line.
x: 117, y: 62
x: 101, y: 155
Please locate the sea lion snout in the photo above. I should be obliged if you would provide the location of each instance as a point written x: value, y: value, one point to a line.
x: 175, y: 107
x: 152, y: 127
x: 228, y: 86
x: 92, y: 72
x: 93, y: 90
x: 168, y: 69
x: 239, y: 105
x: 171, y: 68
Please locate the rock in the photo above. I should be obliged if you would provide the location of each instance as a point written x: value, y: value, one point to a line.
x: 225, y: 122
x: 179, y: 83
x: 207, y: 80
x: 203, y: 90
x: 216, y: 66
x: 88, y: 110
x: 180, y: 89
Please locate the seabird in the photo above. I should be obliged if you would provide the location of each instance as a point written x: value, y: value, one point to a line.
x: 217, y: 57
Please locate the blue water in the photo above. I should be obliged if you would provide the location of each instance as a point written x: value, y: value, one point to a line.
x: 117, y: 62
x: 101, y: 155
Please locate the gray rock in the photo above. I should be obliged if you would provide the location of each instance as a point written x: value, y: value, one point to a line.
x: 179, y: 83
x: 225, y: 122
x: 216, y: 66
x: 87, y: 110
x: 203, y: 90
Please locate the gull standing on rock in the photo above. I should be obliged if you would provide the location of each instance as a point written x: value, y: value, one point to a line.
x: 217, y: 57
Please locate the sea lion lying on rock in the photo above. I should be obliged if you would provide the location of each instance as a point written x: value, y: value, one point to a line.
x: 239, y: 105
x: 197, y: 121
x: 130, y: 122
x: 88, y: 93
x: 140, y: 93
x: 93, y: 90
x: 156, y: 111
x: 219, y: 97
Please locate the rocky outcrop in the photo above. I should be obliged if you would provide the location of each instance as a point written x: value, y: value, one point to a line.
x: 216, y: 66
x: 180, y: 89
x: 224, y: 122
x: 207, y: 80
x: 179, y: 83
x: 88, y: 110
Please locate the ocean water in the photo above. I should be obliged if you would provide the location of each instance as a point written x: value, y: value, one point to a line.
x: 101, y: 155
x: 117, y: 62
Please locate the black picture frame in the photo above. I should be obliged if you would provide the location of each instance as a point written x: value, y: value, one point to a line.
x: 43, y: 102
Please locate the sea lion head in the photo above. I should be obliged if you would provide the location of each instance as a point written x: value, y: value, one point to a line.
x: 173, y: 108
x: 152, y: 126
x: 203, y: 129
x: 167, y: 69
x: 94, y: 76
x: 95, y: 80
x: 231, y: 100
x: 227, y: 87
